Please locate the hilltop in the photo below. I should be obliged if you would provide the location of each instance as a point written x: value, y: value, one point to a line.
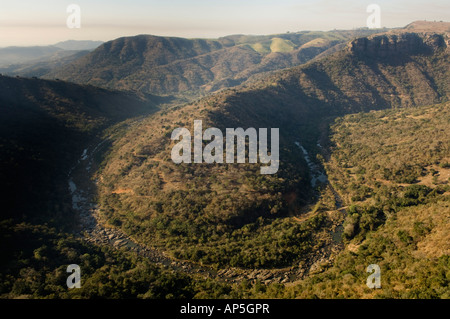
x: 431, y: 26
x: 167, y: 65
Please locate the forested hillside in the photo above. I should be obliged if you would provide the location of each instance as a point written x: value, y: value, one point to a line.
x: 166, y: 65
x: 392, y: 168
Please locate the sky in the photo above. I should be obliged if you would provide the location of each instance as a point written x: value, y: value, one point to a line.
x: 44, y: 22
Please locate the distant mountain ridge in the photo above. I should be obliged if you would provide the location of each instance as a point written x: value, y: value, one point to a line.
x: 428, y: 26
x: 36, y: 61
x: 29, y: 54
x: 43, y: 65
x: 10, y: 55
x: 167, y: 65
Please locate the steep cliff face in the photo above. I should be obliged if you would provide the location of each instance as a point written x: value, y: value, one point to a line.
x: 388, y: 45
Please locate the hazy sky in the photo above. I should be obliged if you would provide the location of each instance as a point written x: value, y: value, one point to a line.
x: 41, y: 22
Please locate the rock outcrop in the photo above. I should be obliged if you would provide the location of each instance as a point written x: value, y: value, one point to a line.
x: 388, y: 45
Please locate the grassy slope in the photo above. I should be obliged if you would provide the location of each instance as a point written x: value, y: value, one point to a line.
x: 281, y: 45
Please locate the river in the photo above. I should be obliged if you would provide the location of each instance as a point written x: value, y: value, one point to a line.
x: 318, y: 176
